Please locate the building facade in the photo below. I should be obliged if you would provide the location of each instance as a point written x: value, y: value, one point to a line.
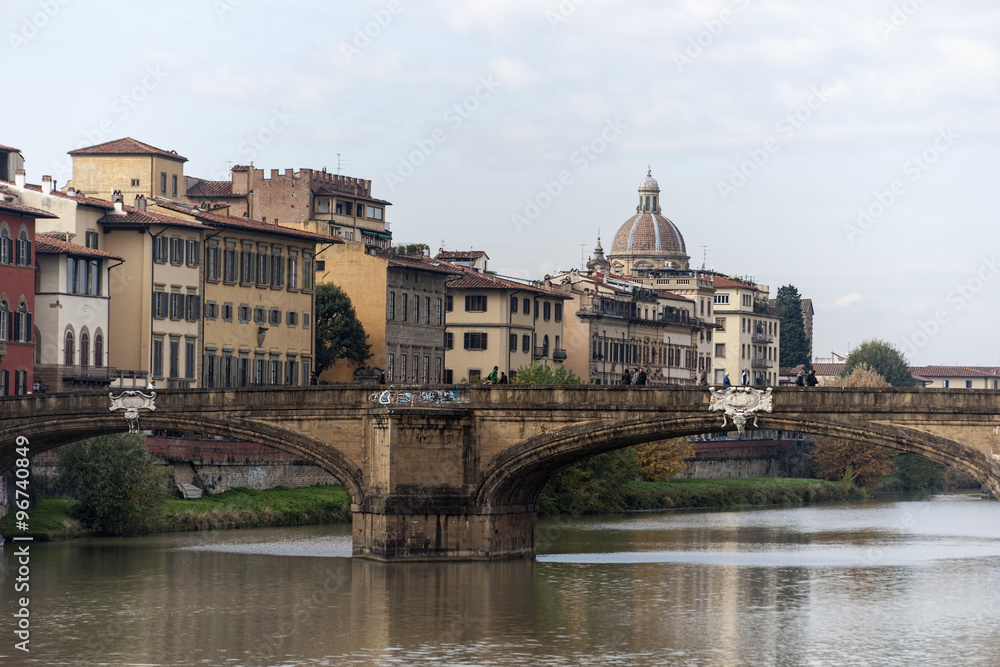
x: 496, y: 321
x: 130, y: 167
x: 748, y: 335
x: 17, y: 296
x: 400, y: 301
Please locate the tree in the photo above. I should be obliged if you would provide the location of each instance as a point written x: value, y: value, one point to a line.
x: 339, y: 333
x: 117, y: 486
x: 884, y: 359
x: 663, y: 459
x: 536, y: 373
x: 792, y: 335
x: 851, y: 460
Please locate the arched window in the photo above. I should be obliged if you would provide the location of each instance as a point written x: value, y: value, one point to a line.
x: 545, y: 346
x: 98, y: 349
x: 84, y: 349
x: 69, y: 350
x: 22, y: 324
x: 23, y: 249
x: 5, y: 246
x: 4, y: 321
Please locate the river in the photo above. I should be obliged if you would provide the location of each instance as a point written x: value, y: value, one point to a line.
x: 873, y: 583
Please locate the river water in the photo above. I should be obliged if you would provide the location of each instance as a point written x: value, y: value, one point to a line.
x: 874, y: 583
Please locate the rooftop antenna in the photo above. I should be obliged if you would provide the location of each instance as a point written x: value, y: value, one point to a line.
x: 704, y: 257
x: 583, y: 262
x: 340, y: 163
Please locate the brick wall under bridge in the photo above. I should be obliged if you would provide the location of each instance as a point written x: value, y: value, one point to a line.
x: 456, y: 474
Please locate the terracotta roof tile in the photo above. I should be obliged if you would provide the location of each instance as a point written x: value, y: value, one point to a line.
x: 212, y: 189
x: 126, y: 146
x: 461, y: 254
x: 52, y: 245
x: 21, y: 209
x: 213, y: 219
x: 472, y: 279
x: 136, y: 217
x: 9, y: 148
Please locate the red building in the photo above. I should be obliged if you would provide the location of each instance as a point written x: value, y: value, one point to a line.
x: 17, y: 296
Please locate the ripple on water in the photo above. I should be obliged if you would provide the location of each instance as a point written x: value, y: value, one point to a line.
x: 331, y: 546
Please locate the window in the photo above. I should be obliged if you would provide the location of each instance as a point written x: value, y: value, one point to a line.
x: 322, y: 204
x: 277, y: 271
x: 213, y: 269
x: 448, y: 376
x: 193, y: 252
x: 427, y: 369
x: 527, y: 307
x: 944, y: 383
x: 449, y: 303
x: 293, y: 276
x: 721, y: 322
x: 416, y: 309
x: 158, y: 357
x: 135, y: 182
x: 392, y: 306
x: 437, y: 369
x: 475, y: 373
x: 402, y: 306
x: 513, y: 305
x: 227, y: 312
x: 558, y: 313
x: 307, y: 272
x: 305, y: 320
x: 475, y: 303
x: 274, y: 376
x: 475, y: 341
x: 175, y: 357
x: 229, y: 269
x: 92, y: 240
x: 968, y: 384
x: 261, y: 269
x: 173, y: 185
x: 98, y: 349
x: 526, y: 343
x: 6, y: 248
x: 193, y: 304
x: 439, y: 319
x: 84, y: 349
x: 69, y: 350
x: 160, y: 303
x: 513, y: 342
x: 176, y: 251
x: 546, y: 311
x: 402, y: 368
x: 275, y: 317
x: 721, y: 299
x: 163, y: 182
x: 23, y: 249
x: 292, y: 318
x: 390, y: 366
x: 189, y: 359
x: 720, y: 350
x: 345, y: 208
x: 427, y: 310
x: 244, y: 313
x: 449, y: 340
x: 246, y: 265
x: 259, y: 315
x: 211, y: 310
x: 160, y: 252
x: 176, y: 305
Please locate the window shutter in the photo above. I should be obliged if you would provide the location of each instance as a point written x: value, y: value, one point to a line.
x: 484, y: 341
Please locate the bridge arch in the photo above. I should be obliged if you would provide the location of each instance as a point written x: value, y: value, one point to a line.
x: 47, y: 434
x: 516, y: 476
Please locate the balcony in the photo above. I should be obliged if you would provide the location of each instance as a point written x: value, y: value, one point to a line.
x: 558, y: 354
x: 540, y: 352
x: 761, y: 337
x: 761, y: 362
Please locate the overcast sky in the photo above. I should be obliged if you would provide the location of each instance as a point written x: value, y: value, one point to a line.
x: 847, y: 148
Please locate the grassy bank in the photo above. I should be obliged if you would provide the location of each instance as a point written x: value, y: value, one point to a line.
x: 682, y: 493
x: 236, y: 508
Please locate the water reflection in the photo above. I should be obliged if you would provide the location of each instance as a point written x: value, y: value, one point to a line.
x: 878, y: 583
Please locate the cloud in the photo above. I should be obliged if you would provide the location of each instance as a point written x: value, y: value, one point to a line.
x: 846, y: 300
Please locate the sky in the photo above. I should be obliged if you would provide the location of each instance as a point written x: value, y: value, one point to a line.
x: 847, y: 148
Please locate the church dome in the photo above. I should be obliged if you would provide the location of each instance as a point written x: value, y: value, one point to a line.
x: 648, y: 239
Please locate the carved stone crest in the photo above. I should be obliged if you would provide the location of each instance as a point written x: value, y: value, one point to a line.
x: 131, y: 402
x: 740, y: 404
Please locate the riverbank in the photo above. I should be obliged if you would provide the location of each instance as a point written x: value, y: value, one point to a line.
x: 249, y: 508
x: 236, y: 508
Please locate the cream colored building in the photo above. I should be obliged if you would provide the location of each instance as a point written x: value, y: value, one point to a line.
x: 130, y: 167
x: 614, y: 325
x: 495, y: 321
x: 748, y: 335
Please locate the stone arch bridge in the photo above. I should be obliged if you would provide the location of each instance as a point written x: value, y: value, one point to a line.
x: 456, y: 473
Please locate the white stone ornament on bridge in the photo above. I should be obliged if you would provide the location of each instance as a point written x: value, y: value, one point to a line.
x: 131, y: 402
x: 739, y: 404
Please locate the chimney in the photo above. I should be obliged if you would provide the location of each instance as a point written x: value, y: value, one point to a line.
x: 140, y: 202
x: 118, y: 200
x: 46, y: 185
x: 19, y: 177
x: 71, y: 191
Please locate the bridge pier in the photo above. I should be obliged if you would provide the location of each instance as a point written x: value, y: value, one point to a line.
x: 420, y: 470
x: 406, y: 528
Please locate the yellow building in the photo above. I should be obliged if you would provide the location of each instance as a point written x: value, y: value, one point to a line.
x: 495, y: 321
x: 129, y: 166
x: 259, y: 300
